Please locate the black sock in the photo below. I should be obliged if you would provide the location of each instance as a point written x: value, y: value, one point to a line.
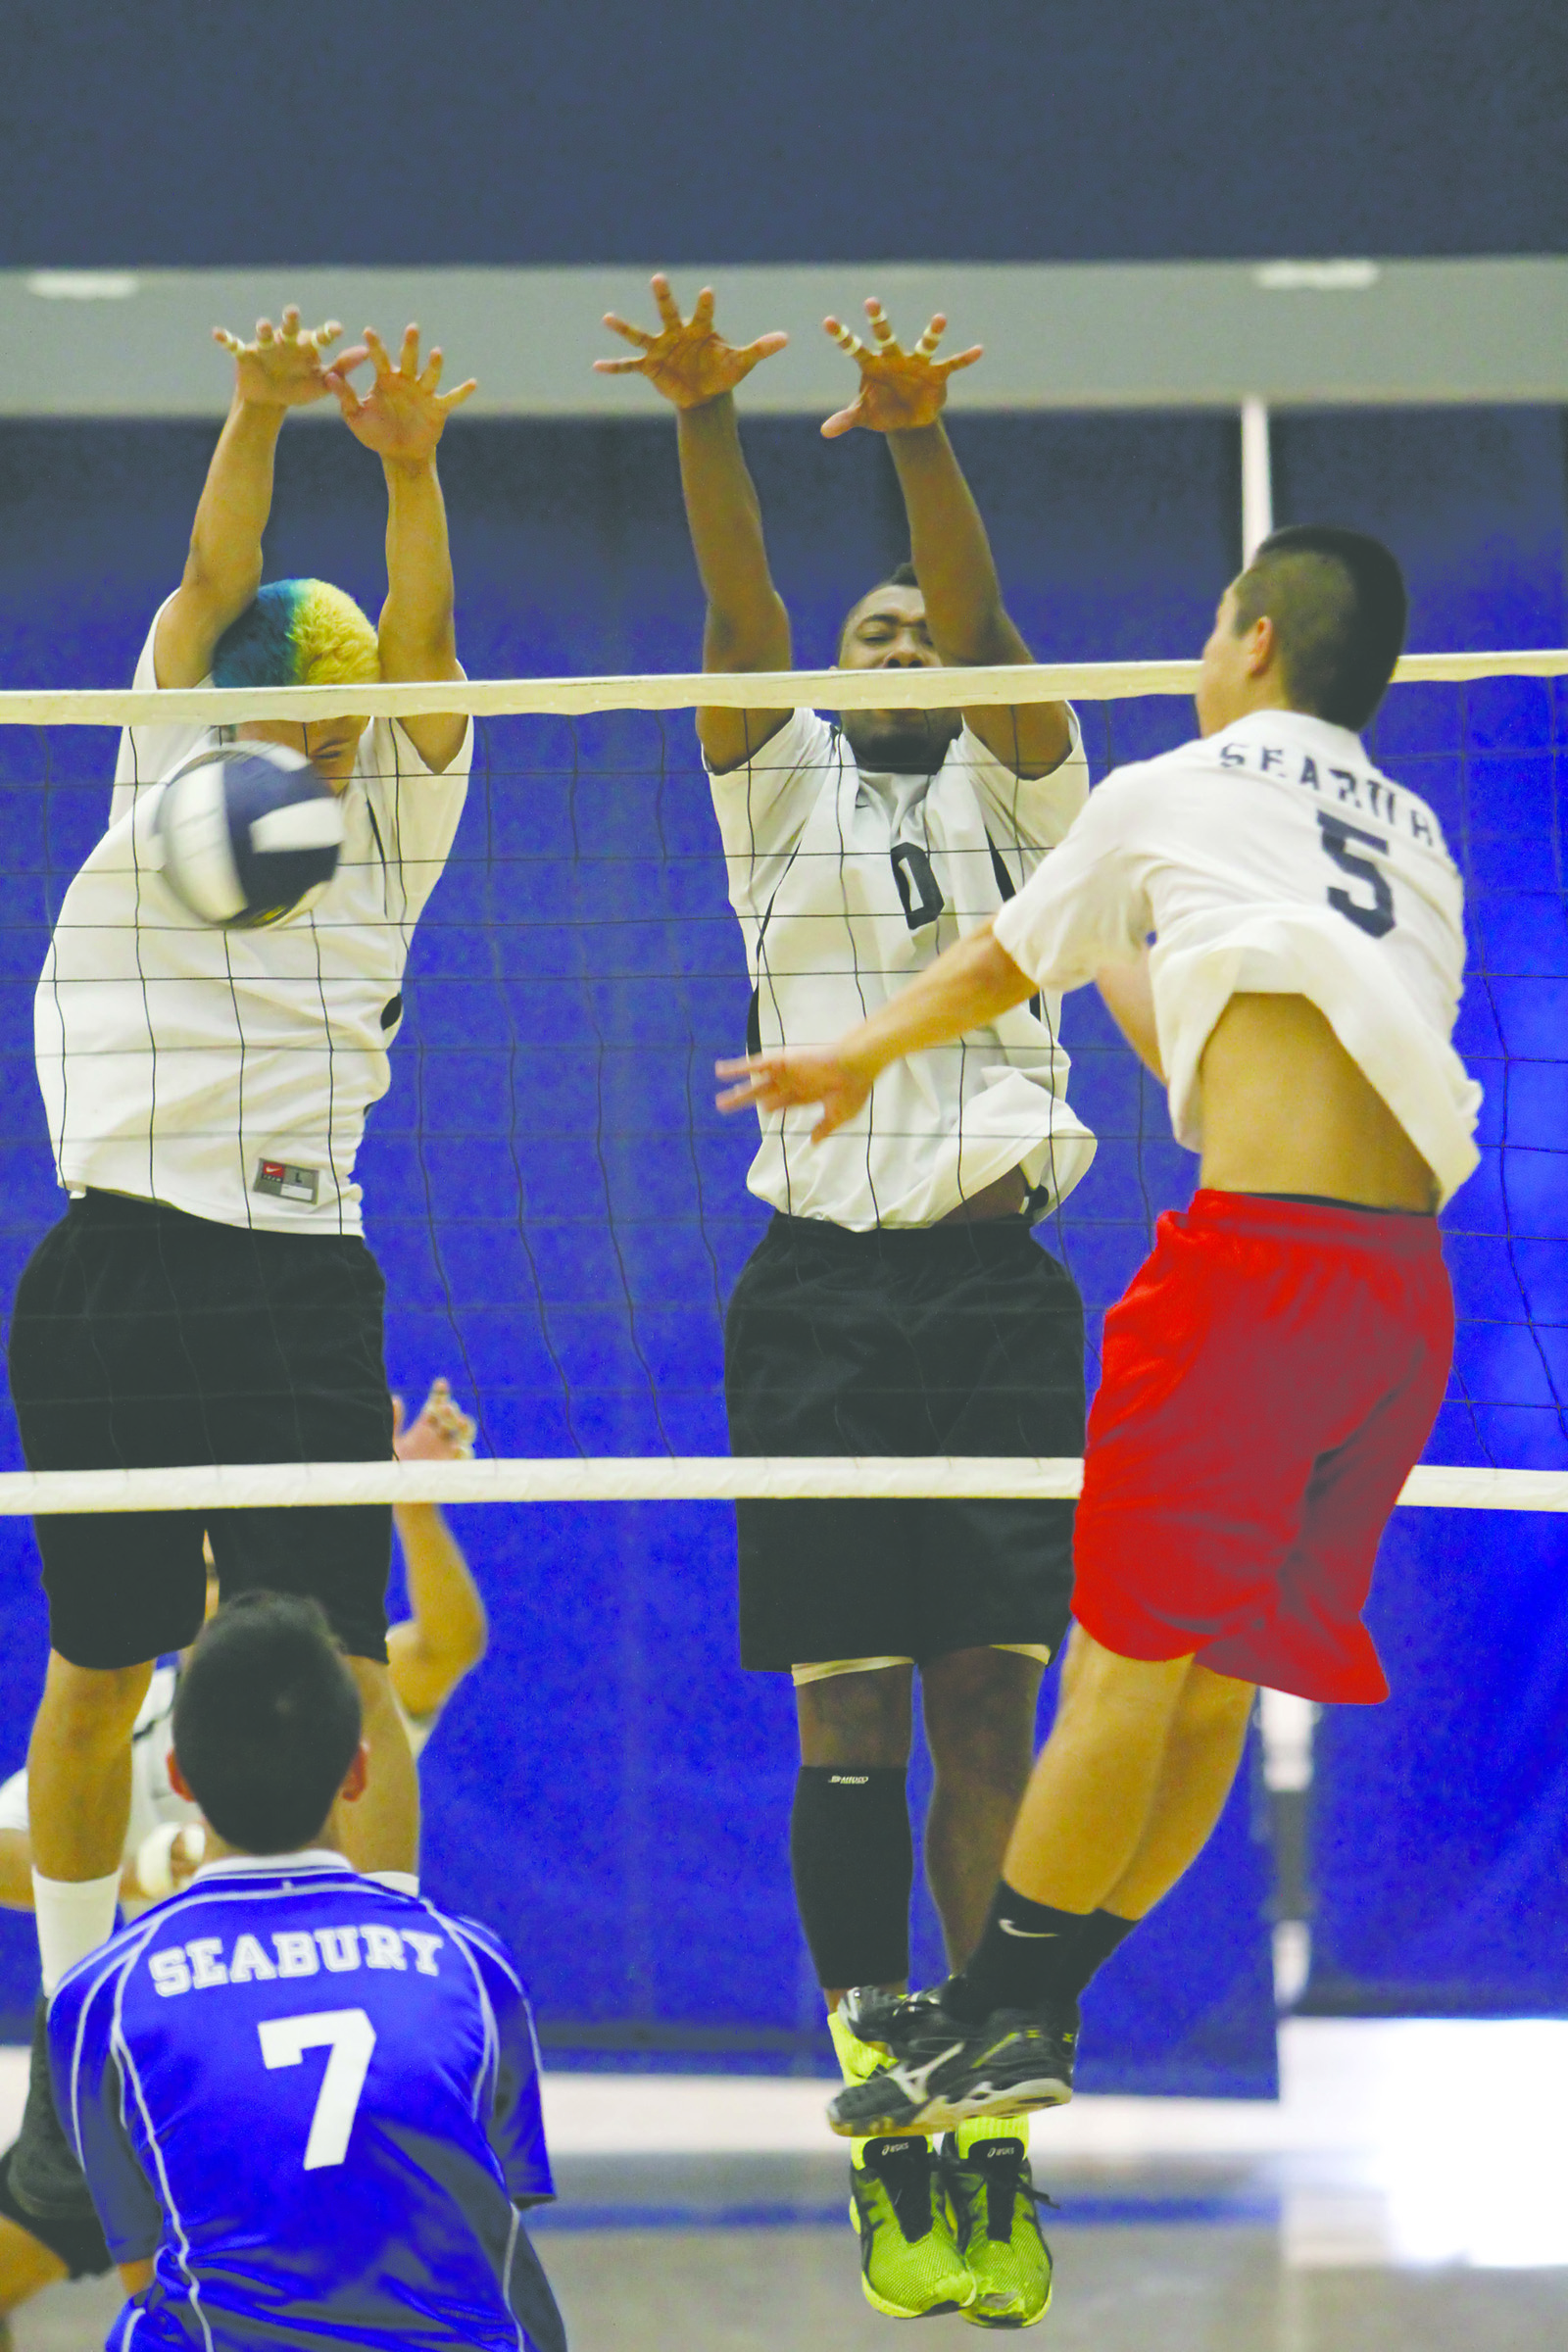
x: 1031, y: 1956
x: 1099, y: 1936
x: 852, y: 1858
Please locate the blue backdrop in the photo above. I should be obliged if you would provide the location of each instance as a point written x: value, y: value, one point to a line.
x: 561, y: 1212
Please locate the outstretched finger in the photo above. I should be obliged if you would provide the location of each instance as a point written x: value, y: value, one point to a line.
x: 844, y: 420
x: 378, y: 352
x: 290, y: 329
x: 619, y: 367
x: 632, y: 334
x: 962, y: 358
x: 887, y: 342
x: 702, y: 317
x: 430, y: 380
x: 409, y: 356
x: 230, y: 343
x: 763, y: 348
x: 668, y: 308
x: 933, y: 335
x: 446, y: 402
x: 264, y: 330
x: 348, y: 399
x: 842, y: 336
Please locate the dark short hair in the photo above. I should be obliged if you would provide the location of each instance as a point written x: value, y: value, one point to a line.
x: 1338, y: 602
x: 267, y: 1722
x: 903, y: 575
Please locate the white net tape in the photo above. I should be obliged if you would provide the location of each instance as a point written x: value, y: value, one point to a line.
x: 737, y: 690
x: 661, y: 1478
x: 670, y: 1477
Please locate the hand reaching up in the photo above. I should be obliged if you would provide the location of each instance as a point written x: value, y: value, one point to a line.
x: 443, y: 1432
x: 688, y: 361
x: 285, y: 368
x: 404, y: 414
x: 900, y: 389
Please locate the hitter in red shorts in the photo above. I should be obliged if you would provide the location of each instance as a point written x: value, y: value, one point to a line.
x: 1273, y: 1370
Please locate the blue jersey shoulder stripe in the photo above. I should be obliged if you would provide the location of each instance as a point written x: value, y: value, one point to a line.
x: 121, y: 2049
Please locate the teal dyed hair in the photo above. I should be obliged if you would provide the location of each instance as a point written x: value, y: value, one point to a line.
x: 297, y: 633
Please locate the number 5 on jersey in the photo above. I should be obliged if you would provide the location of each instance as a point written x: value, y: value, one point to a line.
x: 1377, y: 919
x: 350, y: 2037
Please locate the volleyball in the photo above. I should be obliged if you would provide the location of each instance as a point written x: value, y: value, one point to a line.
x: 250, y: 834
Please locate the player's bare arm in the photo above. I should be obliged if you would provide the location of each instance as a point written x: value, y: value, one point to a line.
x: 972, y: 984
x: 402, y: 419
x: 284, y: 368
x: 746, y: 627
x: 444, y: 1638
x: 902, y: 396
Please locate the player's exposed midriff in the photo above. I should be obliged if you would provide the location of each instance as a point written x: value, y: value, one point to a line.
x: 1285, y: 1109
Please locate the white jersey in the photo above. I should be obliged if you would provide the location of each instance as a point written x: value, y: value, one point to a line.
x: 153, y: 1802
x: 1271, y: 858
x: 846, y: 883
x: 228, y: 1074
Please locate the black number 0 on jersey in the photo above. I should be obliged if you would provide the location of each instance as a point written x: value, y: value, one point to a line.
x: 1377, y: 919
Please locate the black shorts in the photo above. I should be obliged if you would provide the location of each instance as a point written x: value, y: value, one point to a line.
x: 77, y: 2239
x: 941, y: 1339
x: 142, y: 1338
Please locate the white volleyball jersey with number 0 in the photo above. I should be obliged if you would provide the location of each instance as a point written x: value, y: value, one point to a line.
x: 1274, y: 859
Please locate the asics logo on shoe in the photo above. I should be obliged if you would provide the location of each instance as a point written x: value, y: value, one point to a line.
x: 1027, y: 1935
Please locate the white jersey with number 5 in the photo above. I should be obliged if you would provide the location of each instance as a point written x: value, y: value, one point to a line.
x: 1273, y: 858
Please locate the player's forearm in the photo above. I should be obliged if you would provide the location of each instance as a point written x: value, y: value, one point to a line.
x: 442, y: 1593
x: 225, y: 543
x: 972, y: 984
x: 951, y: 552
x: 417, y: 632
x: 747, y: 626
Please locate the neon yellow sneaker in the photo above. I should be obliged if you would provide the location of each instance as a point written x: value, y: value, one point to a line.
x: 985, y: 2166
x: 911, y: 2268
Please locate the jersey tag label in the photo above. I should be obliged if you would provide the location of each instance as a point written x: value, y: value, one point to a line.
x: 279, y: 1179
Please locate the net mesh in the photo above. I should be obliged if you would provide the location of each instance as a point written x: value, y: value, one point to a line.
x: 559, y: 1211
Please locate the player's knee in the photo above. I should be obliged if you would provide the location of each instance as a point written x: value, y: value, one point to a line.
x: 90, y: 1710
x: 855, y: 1718
x: 980, y: 1716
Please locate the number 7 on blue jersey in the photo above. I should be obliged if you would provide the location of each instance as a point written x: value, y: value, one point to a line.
x: 350, y: 2037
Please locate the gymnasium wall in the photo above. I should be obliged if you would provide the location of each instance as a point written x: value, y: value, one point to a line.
x: 183, y: 132
x: 559, y: 1211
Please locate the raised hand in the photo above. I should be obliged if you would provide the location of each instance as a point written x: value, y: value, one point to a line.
x: 688, y: 359
x: 284, y: 369
x: 404, y: 414
x: 790, y: 1075
x: 900, y: 389
x: 443, y: 1432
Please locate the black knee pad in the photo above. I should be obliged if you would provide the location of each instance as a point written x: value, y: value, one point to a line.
x: 852, y: 1858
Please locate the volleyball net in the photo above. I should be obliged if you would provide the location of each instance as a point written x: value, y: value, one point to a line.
x: 558, y: 1207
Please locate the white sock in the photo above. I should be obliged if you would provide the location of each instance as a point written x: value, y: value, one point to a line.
x: 74, y: 1916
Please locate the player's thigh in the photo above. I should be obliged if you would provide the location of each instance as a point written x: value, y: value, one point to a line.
x: 100, y: 1374
x: 1200, y: 1444
x: 27, y: 2264
x: 297, y: 1372
x: 123, y: 1587
x: 816, y: 1351
x: 824, y: 1582
x: 341, y: 1558
x: 996, y: 1328
x: 862, y: 1718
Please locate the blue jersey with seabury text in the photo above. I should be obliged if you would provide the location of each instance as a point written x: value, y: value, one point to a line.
x: 316, y: 2102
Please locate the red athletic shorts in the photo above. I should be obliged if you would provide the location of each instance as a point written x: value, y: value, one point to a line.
x: 1270, y: 1376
